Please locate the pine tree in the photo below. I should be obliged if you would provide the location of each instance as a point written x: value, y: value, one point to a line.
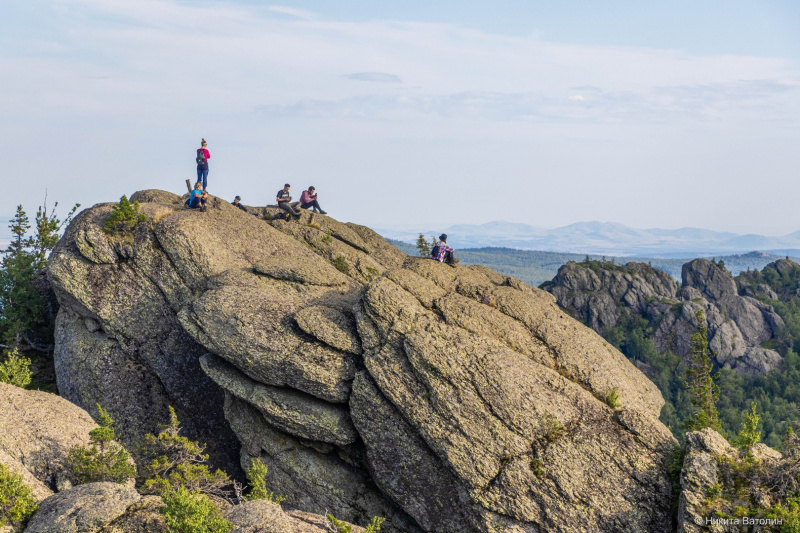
x: 703, y: 391
x: 104, y: 459
x: 124, y: 217
x: 23, y: 312
x: 20, y: 303
x: 48, y: 230
x: 423, y: 248
x: 749, y: 434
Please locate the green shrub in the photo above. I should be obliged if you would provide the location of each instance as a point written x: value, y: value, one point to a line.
x: 613, y: 400
x: 169, y: 461
x: 371, y: 273
x: 16, y: 502
x: 257, y: 477
x: 375, y: 525
x: 341, y: 264
x: 537, y: 467
x: 341, y: 527
x: 553, y: 428
x: 192, y: 512
x: 124, y: 217
x: 15, y: 369
x: 104, y: 459
x: 327, y: 237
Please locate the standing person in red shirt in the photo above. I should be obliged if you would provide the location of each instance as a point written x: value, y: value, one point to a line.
x: 309, y: 199
x: 203, y: 155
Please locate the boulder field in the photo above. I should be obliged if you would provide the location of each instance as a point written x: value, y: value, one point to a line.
x: 370, y: 383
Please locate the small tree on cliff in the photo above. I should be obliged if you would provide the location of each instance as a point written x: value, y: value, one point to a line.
x: 703, y: 391
x: 169, y: 461
x: 104, y: 459
x: 423, y: 248
x: 124, y: 217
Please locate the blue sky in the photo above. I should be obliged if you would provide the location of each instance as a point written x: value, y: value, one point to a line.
x: 651, y: 114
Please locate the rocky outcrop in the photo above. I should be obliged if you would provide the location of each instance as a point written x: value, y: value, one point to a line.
x: 370, y: 383
x: 37, y: 429
x: 112, y: 508
x: 83, y: 508
x: 699, y: 476
x: 262, y: 516
x: 605, y: 296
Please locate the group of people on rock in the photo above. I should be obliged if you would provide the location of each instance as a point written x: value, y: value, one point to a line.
x: 198, y: 197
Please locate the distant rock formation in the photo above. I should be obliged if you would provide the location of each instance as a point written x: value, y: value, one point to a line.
x: 605, y: 296
x: 370, y: 383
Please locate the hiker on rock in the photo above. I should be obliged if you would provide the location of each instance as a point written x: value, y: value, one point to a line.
x: 197, y: 198
x: 441, y: 252
x: 203, y: 155
x: 238, y: 203
x: 285, y: 202
x: 309, y: 199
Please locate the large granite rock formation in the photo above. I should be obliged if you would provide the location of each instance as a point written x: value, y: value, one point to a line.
x: 370, y: 383
x: 605, y: 296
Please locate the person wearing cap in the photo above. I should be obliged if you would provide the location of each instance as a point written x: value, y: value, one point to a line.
x: 238, y: 203
x: 285, y: 202
x: 309, y: 199
x: 441, y: 252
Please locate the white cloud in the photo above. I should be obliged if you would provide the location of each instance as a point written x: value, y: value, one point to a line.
x: 379, y: 77
x: 294, y: 12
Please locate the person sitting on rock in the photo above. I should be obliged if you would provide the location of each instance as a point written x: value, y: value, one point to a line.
x: 441, y: 252
x: 309, y: 199
x: 285, y: 202
x: 198, y: 198
x: 238, y: 203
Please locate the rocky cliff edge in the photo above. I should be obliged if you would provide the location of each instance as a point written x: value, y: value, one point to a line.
x: 371, y: 383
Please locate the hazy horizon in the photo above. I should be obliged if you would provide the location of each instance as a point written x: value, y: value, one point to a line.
x: 537, y: 113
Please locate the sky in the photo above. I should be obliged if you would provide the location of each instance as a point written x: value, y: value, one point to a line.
x: 649, y: 114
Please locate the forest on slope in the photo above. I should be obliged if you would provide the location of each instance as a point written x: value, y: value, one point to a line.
x: 535, y: 267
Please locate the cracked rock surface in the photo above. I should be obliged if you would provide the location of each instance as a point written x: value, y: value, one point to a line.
x: 369, y: 382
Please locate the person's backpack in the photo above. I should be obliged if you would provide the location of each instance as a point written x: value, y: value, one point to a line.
x: 201, y: 157
x: 435, y: 252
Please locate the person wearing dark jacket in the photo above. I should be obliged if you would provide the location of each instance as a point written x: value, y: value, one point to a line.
x: 285, y: 202
x: 238, y: 203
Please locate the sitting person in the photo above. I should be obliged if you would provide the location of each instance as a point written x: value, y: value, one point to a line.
x: 238, y: 203
x: 198, y: 198
x: 309, y: 199
x: 285, y: 202
x: 441, y: 252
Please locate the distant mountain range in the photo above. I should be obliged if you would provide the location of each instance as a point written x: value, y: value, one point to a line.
x: 603, y: 238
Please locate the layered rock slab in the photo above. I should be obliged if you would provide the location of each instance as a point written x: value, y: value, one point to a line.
x: 521, y: 441
x: 370, y: 383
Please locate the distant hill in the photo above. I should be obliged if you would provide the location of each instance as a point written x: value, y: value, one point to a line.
x: 604, y: 238
x: 537, y: 267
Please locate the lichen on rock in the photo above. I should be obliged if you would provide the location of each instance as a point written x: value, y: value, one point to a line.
x: 369, y: 382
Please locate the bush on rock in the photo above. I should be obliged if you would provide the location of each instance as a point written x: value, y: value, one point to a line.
x: 16, y: 502
x: 104, y: 459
